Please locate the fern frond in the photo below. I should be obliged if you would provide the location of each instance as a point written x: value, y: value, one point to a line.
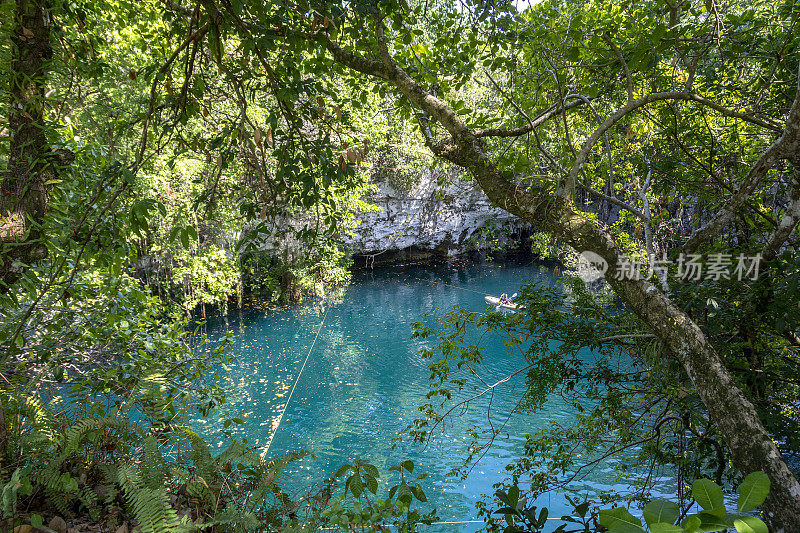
x: 234, y: 519
x: 237, y: 451
x: 76, y: 433
x: 150, y: 506
x: 42, y: 419
x: 275, y: 466
x: 200, y: 455
x: 152, y: 395
x: 152, y: 467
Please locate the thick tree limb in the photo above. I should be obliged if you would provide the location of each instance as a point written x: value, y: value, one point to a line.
x: 568, y: 183
x: 751, y: 446
x: 354, y: 61
x: 787, y: 224
x: 544, y: 116
x: 786, y: 147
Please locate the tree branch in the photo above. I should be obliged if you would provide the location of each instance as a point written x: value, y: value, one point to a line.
x: 543, y: 117
x: 568, y: 182
x: 621, y: 59
x: 787, y: 224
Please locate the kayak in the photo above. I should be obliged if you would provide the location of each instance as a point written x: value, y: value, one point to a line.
x: 496, y: 301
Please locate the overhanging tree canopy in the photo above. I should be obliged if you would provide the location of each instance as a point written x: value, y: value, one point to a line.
x: 590, y: 113
x: 684, y: 63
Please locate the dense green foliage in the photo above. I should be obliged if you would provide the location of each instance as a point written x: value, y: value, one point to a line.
x: 661, y: 516
x: 161, y: 212
x: 168, y: 156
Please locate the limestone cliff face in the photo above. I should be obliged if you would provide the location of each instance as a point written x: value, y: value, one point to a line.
x: 430, y: 219
x: 444, y: 218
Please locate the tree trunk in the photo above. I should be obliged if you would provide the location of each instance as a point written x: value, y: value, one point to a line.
x: 23, y: 195
x: 750, y: 445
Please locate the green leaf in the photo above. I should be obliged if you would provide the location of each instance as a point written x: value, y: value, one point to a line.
x: 582, y: 508
x: 503, y: 497
x: 573, y: 53
x: 408, y: 464
x: 710, y: 522
x: 9, y: 496
x: 619, y: 520
x: 542, y: 517
x: 372, y: 484
x: 750, y: 524
x: 691, y: 524
x: 342, y: 470
x: 404, y: 494
x: 213, y: 43
x: 663, y: 527
x: 371, y: 470
x: 36, y: 521
x: 661, y: 511
x: 127, y: 175
x: 753, y: 491
x: 356, y: 487
x: 709, y: 495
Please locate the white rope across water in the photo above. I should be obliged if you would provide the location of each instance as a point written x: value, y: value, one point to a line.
x: 289, y: 399
x: 319, y: 329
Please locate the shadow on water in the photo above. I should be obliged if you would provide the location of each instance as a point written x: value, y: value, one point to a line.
x: 364, y: 380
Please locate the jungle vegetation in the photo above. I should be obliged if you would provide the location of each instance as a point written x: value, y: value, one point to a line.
x: 153, y: 150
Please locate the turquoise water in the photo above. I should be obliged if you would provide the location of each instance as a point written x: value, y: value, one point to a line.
x: 364, y: 379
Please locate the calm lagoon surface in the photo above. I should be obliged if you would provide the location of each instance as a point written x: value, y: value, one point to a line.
x: 364, y: 380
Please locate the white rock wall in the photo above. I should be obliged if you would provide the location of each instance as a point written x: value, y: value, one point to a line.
x: 431, y: 217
